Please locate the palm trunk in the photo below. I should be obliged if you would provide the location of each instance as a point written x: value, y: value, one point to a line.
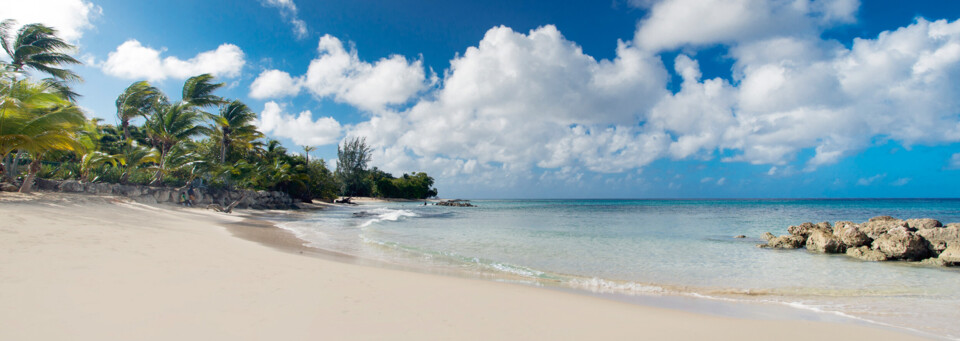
x: 27, y: 185
x: 126, y: 130
x: 159, y: 175
x: 223, y: 152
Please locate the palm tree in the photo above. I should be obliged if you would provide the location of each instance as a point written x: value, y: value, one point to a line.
x: 137, y: 101
x: 169, y: 125
x: 306, y: 153
x: 133, y: 156
x: 198, y: 91
x: 233, y: 127
x: 35, y: 119
x: 37, y: 47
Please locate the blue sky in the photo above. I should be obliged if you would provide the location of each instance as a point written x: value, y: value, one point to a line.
x: 517, y: 99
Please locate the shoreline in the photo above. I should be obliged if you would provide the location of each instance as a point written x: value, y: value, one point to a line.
x: 670, y: 298
x: 205, y: 277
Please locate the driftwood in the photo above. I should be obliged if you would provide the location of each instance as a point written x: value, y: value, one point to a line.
x: 346, y: 200
x: 229, y: 208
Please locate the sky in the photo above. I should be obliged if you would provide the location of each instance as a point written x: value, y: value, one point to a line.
x: 569, y: 99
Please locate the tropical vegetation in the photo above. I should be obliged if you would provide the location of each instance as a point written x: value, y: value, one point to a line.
x: 201, y: 139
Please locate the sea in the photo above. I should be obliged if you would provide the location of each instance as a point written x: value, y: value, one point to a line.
x: 658, y: 251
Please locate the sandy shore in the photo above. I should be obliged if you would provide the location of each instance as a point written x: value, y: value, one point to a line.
x: 76, y: 267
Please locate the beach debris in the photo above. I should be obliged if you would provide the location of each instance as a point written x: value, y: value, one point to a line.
x: 347, y: 200
x: 878, y: 239
x: 456, y: 203
x: 8, y: 187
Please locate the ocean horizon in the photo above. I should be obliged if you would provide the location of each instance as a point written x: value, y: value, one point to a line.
x: 629, y: 248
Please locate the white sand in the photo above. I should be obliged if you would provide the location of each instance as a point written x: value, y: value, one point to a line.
x: 75, y: 267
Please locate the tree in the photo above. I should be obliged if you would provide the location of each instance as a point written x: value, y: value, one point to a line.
x: 37, y: 47
x: 198, y: 91
x: 169, y: 125
x: 136, y: 101
x: 233, y: 127
x: 306, y: 152
x: 35, y: 119
x: 352, y: 159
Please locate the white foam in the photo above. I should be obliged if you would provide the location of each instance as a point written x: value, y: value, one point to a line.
x: 386, y: 214
x: 603, y: 286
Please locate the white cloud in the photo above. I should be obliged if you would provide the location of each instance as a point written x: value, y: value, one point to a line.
x: 675, y: 23
x: 518, y: 101
x: 302, y: 129
x: 799, y: 93
x: 132, y: 60
x: 70, y: 17
x: 340, y: 74
x: 954, y: 162
x: 901, y: 182
x: 870, y: 180
x: 288, y: 10
x: 274, y: 84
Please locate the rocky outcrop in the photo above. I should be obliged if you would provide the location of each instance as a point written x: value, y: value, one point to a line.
x: 456, y: 203
x: 161, y: 195
x: 867, y: 254
x: 851, y: 236
x: 923, y: 223
x: 767, y: 236
x: 938, y: 238
x: 950, y: 256
x: 879, y: 239
x: 824, y: 242
x: 785, y: 242
x: 900, y: 243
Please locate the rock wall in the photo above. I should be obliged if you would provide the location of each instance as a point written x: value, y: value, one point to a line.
x: 154, y: 195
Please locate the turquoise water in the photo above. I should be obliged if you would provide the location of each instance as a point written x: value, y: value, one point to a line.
x: 657, y: 247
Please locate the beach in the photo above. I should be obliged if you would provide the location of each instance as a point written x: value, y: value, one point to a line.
x: 85, y: 267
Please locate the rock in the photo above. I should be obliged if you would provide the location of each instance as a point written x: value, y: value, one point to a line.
x: 71, y: 186
x: 767, y: 236
x: 46, y: 185
x: 939, y: 238
x: 882, y: 218
x: 740, y: 236
x: 786, y: 242
x: 803, y: 230
x: 840, y: 225
x: 901, y: 243
x: 825, y: 226
x: 867, y: 254
x: 824, y: 242
x: 923, y: 223
x: 880, y: 225
x: 933, y: 262
x: 851, y: 236
x: 950, y: 256
x: 8, y: 187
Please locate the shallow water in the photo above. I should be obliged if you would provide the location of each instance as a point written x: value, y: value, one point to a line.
x: 657, y: 247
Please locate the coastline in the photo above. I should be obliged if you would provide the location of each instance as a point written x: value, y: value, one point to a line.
x: 87, y: 267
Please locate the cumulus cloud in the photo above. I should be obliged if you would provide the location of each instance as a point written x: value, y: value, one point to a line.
x: 675, y: 23
x: 517, y: 101
x: 302, y: 128
x: 339, y: 73
x: 274, y: 84
x: 798, y: 93
x: 288, y: 10
x: 132, y: 60
x: 70, y: 17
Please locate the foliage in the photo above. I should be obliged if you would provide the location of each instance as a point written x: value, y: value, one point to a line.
x: 352, y: 159
x: 177, y: 142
